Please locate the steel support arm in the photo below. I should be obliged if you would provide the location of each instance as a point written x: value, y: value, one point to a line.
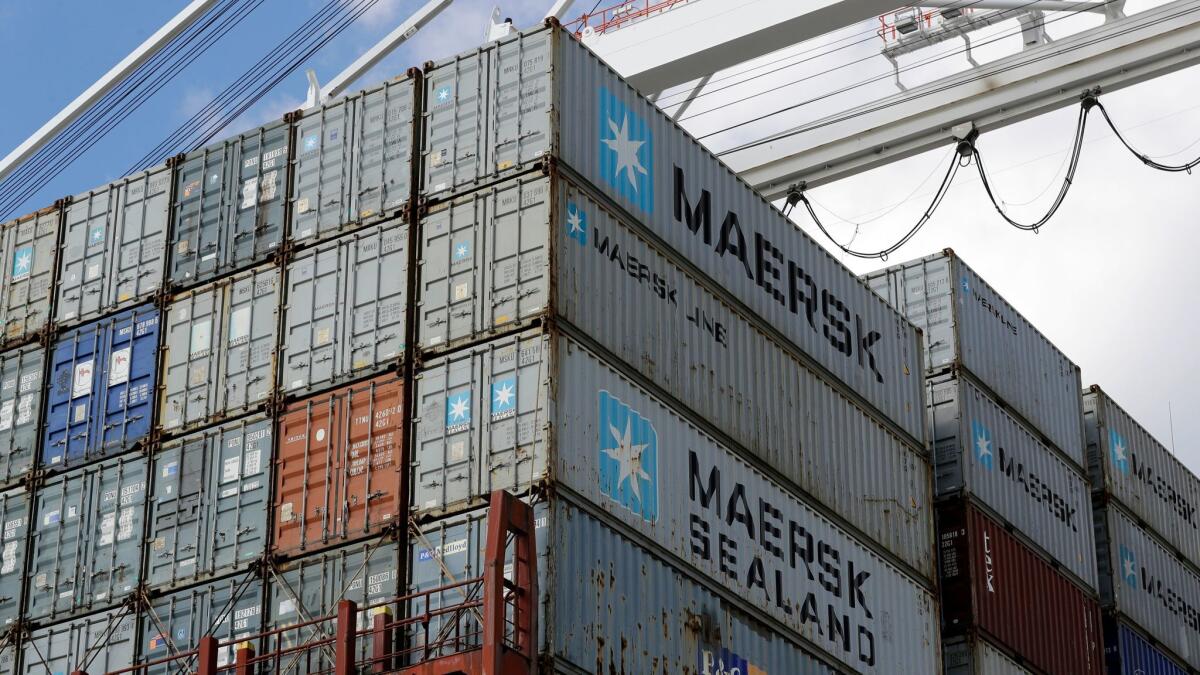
x: 161, y: 38
x: 1117, y: 54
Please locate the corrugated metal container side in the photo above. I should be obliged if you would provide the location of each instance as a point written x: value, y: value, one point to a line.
x: 977, y: 656
x: 98, y: 643
x: 114, y: 246
x: 86, y: 546
x: 492, y: 111
x: 993, y: 583
x: 15, y: 515
x: 103, y: 377
x: 229, y: 205
x: 487, y: 417
x: 339, y: 473
x: 968, y: 324
x: 1143, y: 580
x: 228, y: 609
x: 353, y: 160
x: 209, y: 499
x: 1127, y: 463
x: 218, y: 356
x: 9, y: 653
x: 982, y: 451
x: 20, y: 410
x: 297, y: 591
x: 1130, y: 653
x: 608, y: 604
x: 29, y: 253
x: 344, y: 312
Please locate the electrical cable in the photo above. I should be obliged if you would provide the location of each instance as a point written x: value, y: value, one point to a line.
x: 1146, y: 159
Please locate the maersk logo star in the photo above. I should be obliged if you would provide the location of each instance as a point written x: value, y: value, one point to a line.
x: 1129, y: 567
x: 504, y: 398
x: 458, y: 410
x: 966, y: 285
x: 22, y: 262
x: 1119, y: 451
x: 462, y: 251
x: 626, y: 152
x: 982, y: 441
x: 310, y: 143
x: 576, y: 224
x: 628, y: 458
x: 443, y: 95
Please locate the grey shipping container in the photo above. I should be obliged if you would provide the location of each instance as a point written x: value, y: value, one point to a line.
x: 1144, y: 581
x: 344, y: 314
x: 646, y: 466
x: 1130, y: 465
x: 628, y: 608
x: 21, y: 373
x: 982, y: 451
x: 977, y: 656
x: 968, y: 325
x: 481, y: 413
x: 218, y: 355
x: 113, y: 247
x: 229, y: 205
x: 86, y: 548
x: 490, y: 112
x: 305, y: 588
x: 14, y: 515
x: 353, y: 160
x: 228, y: 609
x: 28, y: 251
x: 98, y: 643
x: 209, y: 502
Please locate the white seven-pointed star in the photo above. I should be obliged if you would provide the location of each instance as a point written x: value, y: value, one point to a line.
x: 443, y: 94
x: 627, y: 151
x: 629, y: 457
x: 461, y: 251
x: 459, y: 408
x: 1127, y: 568
x: 504, y: 394
x: 23, y: 261
x: 1119, y: 451
x: 984, y: 445
x: 574, y: 222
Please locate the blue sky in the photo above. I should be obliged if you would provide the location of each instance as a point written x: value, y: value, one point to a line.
x: 54, y: 49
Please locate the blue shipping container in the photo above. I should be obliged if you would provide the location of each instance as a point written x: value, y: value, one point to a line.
x: 1128, y: 653
x: 102, y: 388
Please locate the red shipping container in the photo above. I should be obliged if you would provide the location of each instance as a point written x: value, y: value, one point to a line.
x: 994, y: 583
x: 340, y: 467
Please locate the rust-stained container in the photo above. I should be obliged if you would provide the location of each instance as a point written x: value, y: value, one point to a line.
x: 994, y: 584
x: 29, y: 255
x: 340, y: 466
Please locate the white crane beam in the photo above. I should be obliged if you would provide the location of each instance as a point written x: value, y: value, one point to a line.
x: 1117, y: 54
x: 701, y: 37
x: 161, y: 38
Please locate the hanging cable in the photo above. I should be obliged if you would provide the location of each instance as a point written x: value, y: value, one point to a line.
x: 1146, y: 159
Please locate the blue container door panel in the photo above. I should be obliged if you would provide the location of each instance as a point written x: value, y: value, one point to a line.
x: 102, y: 388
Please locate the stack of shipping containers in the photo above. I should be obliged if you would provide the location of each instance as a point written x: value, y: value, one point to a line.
x: 289, y: 368
x: 1015, y: 540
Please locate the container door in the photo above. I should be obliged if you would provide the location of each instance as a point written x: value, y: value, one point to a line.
x: 196, y: 239
x: 455, y: 113
x: 322, y: 165
x: 126, y: 383
x: 100, y: 643
x: 383, y: 150
x: 517, y: 240
x: 86, y: 241
x: 20, y: 410
x: 259, y: 195
x: 228, y: 609
x: 450, y: 243
x: 30, y: 247
x: 378, y: 299
x: 314, y: 293
x: 142, y: 212
x: 14, y: 514
x: 191, y: 385
x: 177, y: 536
x: 70, y: 409
x: 251, y: 331
x: 521, y: 95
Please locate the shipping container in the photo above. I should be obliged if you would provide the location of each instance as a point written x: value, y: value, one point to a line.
x: 218, y: 356
x: 15, y: 515
x: 209, y: 498
x: 994, y: 584
x: 627, y: 608
x: 344, y: 314
x: 968, y: 325
x: 1143, y: 580
x: 29, y: 253
x: 306, y: 588
x: 229, y: 205
x: 501, y: 415
x: 1128, y: 464
x: 86, y: 548
x: 228, y: 609
x: 985, y: 453
x: 20, y: 410
x: 114, y: 245
x: 103, y: 376
x: 977, y: 656
x: 10, y: 649
x: 490, y: 112
x: 1130, y: 653
x: 353, y: 160
x: 339, y: 472
x: 99, y: 643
